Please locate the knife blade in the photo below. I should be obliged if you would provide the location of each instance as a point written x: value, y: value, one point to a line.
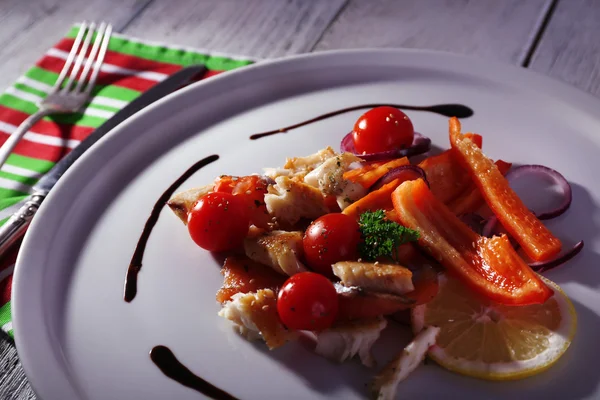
x: 17, y: 224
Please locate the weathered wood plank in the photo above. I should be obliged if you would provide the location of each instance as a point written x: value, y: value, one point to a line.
x: 570, y: 47
x: 13, y: 382
x: 256, y: 28
x: 499, y: 30
x: 29, y: 28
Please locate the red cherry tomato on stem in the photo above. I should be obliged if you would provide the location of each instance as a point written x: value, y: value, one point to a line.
x: 329, y: 239
x: 381, y: 129
x: 307, y: 301
x: 218, y: 222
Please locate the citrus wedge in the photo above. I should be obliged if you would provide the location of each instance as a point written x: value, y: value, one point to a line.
x: 482, y: 339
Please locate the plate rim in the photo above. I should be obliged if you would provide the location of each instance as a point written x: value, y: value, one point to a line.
x: 48, y: 378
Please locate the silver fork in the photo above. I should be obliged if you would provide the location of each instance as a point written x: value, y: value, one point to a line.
x: 68, y: 99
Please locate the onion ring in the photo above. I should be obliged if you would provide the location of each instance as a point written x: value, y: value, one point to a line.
x: 516, y: 173
x: 544, y: 266
x: 420, y: 145
x: 394, y: 173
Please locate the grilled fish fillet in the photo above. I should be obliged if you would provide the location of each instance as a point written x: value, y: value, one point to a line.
x: 377, y: 277
x: 255, y: 316
x: 289, y: 201
x: 181, y: 203
x: 329, y: 178
x: 386, y: 383
x: 346, y: 340
x: 279, y: 250
x: 298, y: 167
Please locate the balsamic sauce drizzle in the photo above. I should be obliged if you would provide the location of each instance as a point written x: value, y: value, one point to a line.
x: 166, y: 361
x: 447, y: 110
x: 136, y: 260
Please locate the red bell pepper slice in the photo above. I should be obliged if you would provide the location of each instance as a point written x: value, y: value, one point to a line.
x: 536, y: 240
x: 446, y: 176
x: 471, y: 199
x: 490, y: 266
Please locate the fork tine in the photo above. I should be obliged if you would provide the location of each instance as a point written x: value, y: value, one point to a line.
x: 100, y: 59
x: 80, y: 58
x: 90, y: 61
x: 70, y: 57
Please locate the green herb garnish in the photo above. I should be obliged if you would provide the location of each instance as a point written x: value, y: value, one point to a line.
x: 381, y: 237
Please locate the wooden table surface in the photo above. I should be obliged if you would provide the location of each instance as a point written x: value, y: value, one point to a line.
x: 559, y: 38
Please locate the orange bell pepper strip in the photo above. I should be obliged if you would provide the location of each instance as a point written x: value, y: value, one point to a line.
x: 370, y: 173
x: 471, y: 199
x: 380, y: 199
x: 475, y: 138
x: 490, y: 266
x: 536, y: 240
x: 446, y: 176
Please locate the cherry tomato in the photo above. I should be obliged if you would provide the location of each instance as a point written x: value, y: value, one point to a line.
x: 307, y: 301
x: 251, y: 190
x: 329, y: 239
x: 381, y: 129
x: 218, y: 222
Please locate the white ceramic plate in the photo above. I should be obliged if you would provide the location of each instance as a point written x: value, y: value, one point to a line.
x: 78, y: 338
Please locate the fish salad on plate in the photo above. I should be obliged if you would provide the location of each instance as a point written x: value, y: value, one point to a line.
x: 335, y: 246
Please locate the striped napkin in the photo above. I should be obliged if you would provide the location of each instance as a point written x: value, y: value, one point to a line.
x: 131, y: 66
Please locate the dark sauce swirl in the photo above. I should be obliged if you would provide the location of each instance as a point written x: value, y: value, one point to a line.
x: 447, y: 110
x: 135, y: 265
x: 166, y: 361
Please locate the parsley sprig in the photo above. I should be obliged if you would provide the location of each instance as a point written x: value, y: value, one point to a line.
x: 381, y: 237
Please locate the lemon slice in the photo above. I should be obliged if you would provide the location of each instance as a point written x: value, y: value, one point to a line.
x: 485, y: 340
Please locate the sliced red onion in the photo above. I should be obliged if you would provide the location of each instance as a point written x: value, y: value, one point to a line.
x: 561, y: 259
x: 420, y: 145
x: 517, y: 172
x: 489, y: 227
x: 474, y: 221
x: 397, y: 172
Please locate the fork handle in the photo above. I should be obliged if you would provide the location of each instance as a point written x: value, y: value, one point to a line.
x: 14, y: 138
x: 17, y: 224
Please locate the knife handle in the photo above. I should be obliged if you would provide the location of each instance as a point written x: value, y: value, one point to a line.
x: 17, y: 224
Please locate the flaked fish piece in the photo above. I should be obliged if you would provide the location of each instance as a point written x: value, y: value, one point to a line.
x: 298, y: 167
x: 279, y: 250
x: 351, y: 338
x: 355, y: 303
x: 329, y: 178
x: 351, y: 192
x: 243, y: 275
x: 181, y: 203
x: 386, y: 383
x: 377, y: 277
x: 289, y: 201
x: 255, y: 316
